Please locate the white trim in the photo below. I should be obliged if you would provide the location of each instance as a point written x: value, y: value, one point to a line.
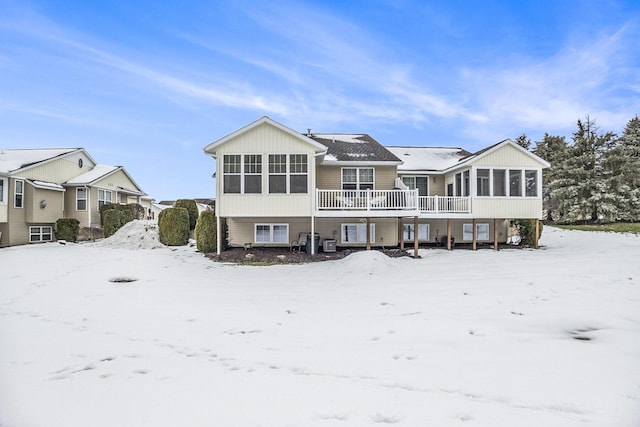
x: 86, y: 198
x: 15, y: 194
x: 360, y: 232
x: 104, y: 200
x: 358, y: 183
x: 271, y: 232
x: 40, y: 233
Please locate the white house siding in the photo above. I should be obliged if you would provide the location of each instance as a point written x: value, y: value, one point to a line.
x: 438, y: 229
x: 59, y: 170
x: 506, y: 207
x: 115, y: 180
x: 265, y: 139
x: 507, y: 157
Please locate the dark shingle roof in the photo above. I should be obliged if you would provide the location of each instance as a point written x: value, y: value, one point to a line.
x: 354, y: 148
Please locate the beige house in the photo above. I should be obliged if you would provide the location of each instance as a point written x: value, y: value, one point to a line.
x: 40, y: 186
x: 276, y: 186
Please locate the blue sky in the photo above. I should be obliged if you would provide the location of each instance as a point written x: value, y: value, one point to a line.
x: 147, y: 85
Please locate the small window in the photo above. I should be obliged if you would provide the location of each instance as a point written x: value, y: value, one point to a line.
x: 231, y: 173
x: 515, y: 183
x: 483, y: 182
x: 458, y: 184
x: 81, y: 199
x: 531, y: 183
x: 40, y: 233
x: 104, y: 197
x: 499, y: 183
x: 272, y: 233
x: 80, y: 163
x: 2, y: 190
x: 482, y: 232
x: 409, y: 232
x: 357, y: 233
x: 357, y: 179
x: 18, y: 194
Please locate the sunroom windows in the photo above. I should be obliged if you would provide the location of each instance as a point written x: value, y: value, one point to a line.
x: 286, y: 173
x: 507, y: 182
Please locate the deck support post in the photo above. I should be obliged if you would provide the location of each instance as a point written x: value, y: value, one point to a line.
x: 474, y: 243
x: 448, y: 234
x: 415, y: 237
x: 312, y: 238
x: 495, y: 234
x: 218, y: 235
x: 368, y: 233
x: 537, y: 243
x: 401, y: 232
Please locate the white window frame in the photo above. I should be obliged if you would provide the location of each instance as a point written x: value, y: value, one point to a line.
x: 39, y: 232
x: 85, y: 198
x: 424, y: 231
x: 244, y: 171
x: 482, y: 231
x: 360, y: 232
x: 291, y: 169
x: 271, y: 233
x: 411, y: 182
x: 358, y: 183
x: 17, y: 193
x: 104, y: 199
x: 3, y: 190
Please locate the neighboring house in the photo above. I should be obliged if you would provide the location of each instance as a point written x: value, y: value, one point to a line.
x: 275, y: 186
x: 40, y: 186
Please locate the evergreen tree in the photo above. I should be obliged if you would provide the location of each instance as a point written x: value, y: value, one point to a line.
x: 553, y: 149
x: 622, y: 166
x: 579, y: 189
x: 523, y: 141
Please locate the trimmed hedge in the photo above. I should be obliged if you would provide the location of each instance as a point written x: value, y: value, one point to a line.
x: 114, y: 216
x: 527, y: 231
x: 192, y: 207
x: 173, y: 224
x: 206, y: 232
x: 67, y: 229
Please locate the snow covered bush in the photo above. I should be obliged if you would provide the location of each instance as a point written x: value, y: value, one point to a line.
x: 173, y: 225
x: 67, y: 229
x: 192, y: 208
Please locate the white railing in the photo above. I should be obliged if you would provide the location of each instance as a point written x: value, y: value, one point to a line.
x: 366, y: 200
x: 445, y: 204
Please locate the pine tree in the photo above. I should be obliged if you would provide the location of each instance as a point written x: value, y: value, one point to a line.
x: 579, y: 189
x: 553, y: 149
x: 623, y: 172
x: 523, y: 141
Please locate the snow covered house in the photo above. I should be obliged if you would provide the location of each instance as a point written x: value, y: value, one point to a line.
x: 276, y: 186
x: 40, y: 186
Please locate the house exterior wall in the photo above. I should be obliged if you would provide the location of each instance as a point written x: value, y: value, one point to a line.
x: 330, y: 177
x: 70, y: 205
x: 17, y: 232
x: 4, y: 199
x: 438, y: 230
x: 242, y: 230
x: 58, y: 170
x: 507, y: 156
x: 507, y: 207
x: 54, y: 205
x: 265, y: 139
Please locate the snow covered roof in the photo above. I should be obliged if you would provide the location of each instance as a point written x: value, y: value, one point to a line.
x: 12, y: 160
x: 93, y: 175
x: 347, y: 148
x: 427, y: 159
x: 46, y: 185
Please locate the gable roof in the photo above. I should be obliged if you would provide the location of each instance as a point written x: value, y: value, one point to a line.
x: 211, y: 148
x: 350, y: 148
x: 13, y: 160
x: 100, y: 172
x: 427, y: 159
x: 492, y: 148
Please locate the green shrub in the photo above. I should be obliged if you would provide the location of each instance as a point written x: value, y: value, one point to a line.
x: 173, y: 225
x: 67, y: 229
x: 205, y: 232
x: 114, y: 217
x: 527, y: 231
x: 192, y: 207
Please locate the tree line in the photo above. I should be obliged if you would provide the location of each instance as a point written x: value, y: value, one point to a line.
x: 594, y: 178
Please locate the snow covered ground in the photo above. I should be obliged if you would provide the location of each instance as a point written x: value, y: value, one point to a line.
x: 511, y: 338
